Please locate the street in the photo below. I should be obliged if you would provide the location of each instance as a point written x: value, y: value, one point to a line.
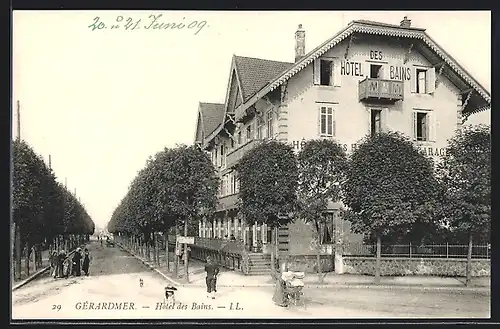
x: 112, y: 291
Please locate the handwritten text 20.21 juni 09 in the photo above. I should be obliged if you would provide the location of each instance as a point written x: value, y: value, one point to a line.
x: 152, y: 22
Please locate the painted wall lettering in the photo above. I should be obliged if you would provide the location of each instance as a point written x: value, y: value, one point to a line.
x: 351, y: 68
x: 376, y: 55
x: 429, y: 151
x: 399, y: 73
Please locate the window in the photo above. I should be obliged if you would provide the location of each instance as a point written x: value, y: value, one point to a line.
x: 222, y: 156
x: 239, y: 138
x: 270, y: 124
x: 375, y: 71
x: 375, y: 122
x: 421, y: 126
x: 421, y: 81
x: 249, y: 132
x: 325, y: 72
x: 260, y: 127
x: 232, y: 143
x: 327, y: 122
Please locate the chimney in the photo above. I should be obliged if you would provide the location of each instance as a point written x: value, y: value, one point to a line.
x: 300, y: 43
x: 406, y: 23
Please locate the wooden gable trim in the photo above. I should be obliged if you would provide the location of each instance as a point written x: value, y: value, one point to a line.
x: 228, y: 91
x: 240, y: 90
x: 357, y: 27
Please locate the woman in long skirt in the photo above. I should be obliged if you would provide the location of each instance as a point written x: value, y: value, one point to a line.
x: 86, y: 261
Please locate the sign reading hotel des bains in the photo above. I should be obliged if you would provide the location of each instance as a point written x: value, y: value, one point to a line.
x: 397, y: 73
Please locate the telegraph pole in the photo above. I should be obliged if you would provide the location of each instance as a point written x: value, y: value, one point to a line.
x: 18, y: 121
x: 65, y: 182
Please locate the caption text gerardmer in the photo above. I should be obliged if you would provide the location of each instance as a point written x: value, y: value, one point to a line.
x: 152, y: 22
x: 129, y: 306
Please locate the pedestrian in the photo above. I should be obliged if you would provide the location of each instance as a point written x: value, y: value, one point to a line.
x: 53, y: 263
x: 67, y: 268
x: 279, y: 289
x: 233, y: 238
x: 60, y: 262
x: 212, y: 270
x: 86, y: 262
x: 77, y: 257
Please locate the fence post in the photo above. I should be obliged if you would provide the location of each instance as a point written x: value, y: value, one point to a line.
x: 446, y: 249
x: 410, y: 249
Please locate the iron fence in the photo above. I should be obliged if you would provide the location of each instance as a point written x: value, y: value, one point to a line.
x: 418, y: 251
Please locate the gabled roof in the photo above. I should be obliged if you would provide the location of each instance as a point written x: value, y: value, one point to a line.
x: 212, y: 114
x: 252, y: 74
x: 374, y: 28
x: 255, y: 73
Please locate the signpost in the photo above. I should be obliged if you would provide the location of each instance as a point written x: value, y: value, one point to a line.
x: 185, y: 239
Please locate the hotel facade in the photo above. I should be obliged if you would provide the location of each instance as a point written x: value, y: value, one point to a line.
x: 369, y: 77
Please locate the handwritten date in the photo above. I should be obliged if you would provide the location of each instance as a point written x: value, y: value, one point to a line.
x: 153, y: 22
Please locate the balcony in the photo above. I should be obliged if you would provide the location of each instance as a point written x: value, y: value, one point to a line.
x: 377, y: 89
x: 234, y: 156
x: 227, y: 202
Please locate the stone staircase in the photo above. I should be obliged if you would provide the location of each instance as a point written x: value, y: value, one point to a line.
x: 259, y: 264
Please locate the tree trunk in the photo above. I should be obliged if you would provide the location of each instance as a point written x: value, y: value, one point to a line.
x: 167, y: 256
x: 17, y: 270
x: 186, y: 271
x: 377, y: 264
x: 176, y: 260
x: 318, y: 257
x: 274, y: 248
x: 468, y: 269
x: 27, y: 260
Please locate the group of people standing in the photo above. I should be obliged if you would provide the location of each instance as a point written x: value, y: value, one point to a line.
x: 63, y: 266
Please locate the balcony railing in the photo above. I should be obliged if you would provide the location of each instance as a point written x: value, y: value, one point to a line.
x: 370, y: 89
x: 227, y: 202
x: 234, y: 156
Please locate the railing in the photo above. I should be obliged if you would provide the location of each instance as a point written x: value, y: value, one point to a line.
x: 380, y: 89
x: 227, y: 202
x: 417, y: 251
x: 221, y: 245
x: 235, y: 155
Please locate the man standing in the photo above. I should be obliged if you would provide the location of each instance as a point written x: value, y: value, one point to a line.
x: 77, y: 257
x: 212, y: 270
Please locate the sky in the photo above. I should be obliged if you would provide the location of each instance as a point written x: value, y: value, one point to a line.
x: 101, y: 101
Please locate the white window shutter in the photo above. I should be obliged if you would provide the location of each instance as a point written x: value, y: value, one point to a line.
x: 431, y: 80
x: 334, y: 124
x: 369, y: 116
x: 317, y: 71
x: 414, y: 125
x: 319, y: 120
x: 432, y: 126
x: 384, y: 117
x: 366, y: 69
x: 336, y: 73
x: 413, y: 80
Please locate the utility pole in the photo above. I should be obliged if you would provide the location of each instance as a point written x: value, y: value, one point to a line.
x: 65, y: 182
x: 50, y: 162
x: 18, y: 121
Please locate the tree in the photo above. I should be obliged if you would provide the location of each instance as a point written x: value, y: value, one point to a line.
x: 465, y: 174
x: 191, y: 186
x: 390, y: 186
x: 322, y: 166
x: 268, y: 186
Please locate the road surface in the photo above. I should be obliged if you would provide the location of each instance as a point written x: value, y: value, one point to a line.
x: 112, y: 291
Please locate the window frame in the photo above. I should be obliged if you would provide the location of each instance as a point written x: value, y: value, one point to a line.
x: 327, y: 107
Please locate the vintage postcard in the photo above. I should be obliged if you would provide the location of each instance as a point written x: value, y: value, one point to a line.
x: 258, y: 165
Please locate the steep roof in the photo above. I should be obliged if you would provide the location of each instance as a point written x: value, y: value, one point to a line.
x: 212, y: 114
x: 255, y: 73
x: 374, y: 28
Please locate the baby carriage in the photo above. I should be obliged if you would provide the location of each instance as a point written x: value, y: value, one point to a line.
x: 293, y: 287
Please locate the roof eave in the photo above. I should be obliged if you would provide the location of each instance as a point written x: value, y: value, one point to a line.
x: 357, y: 27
